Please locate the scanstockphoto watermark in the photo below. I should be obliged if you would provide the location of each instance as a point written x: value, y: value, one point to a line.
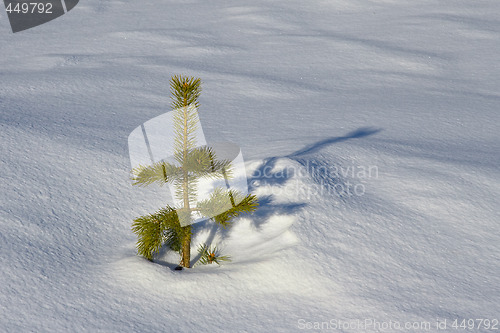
x: 297, y: 189
x: 340, y: 181
x: 368, y: 324
x: 371, y: 324
x: 318, y: 170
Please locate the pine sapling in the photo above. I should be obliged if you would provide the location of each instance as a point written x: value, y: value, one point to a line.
x: 171, y: 226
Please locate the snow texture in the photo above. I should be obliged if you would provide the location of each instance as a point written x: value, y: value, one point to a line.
x: 370, y: 131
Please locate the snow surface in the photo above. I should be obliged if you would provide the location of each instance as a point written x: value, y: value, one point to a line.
x: 399, y: 98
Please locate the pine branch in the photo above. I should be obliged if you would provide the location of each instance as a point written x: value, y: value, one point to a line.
x: 186, y: 124
x: 219, y: 201
x: 209, y: 255
x: 247, y: 205
x: 189, y: 191
x: 159, y: 172
x: 173, y: 239
x: 201, y: 162
x: 153, y: 230
x: 224, y: 201
x: 185, y: 91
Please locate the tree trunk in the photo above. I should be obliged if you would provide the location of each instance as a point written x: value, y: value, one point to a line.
x: 186, y: 247
x: 186, y: 241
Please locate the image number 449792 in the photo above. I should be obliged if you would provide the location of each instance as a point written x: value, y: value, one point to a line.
x: 26, y: 14
x: 29, y: 7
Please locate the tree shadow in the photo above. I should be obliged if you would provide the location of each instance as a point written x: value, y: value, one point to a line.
x: 160, y: 258
x: 359, y: 133
x: 265, y: 173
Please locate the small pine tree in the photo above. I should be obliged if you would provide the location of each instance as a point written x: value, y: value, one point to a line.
x: 171, y: 226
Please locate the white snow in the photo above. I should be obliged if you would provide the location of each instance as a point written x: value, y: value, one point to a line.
x: 396, y: 101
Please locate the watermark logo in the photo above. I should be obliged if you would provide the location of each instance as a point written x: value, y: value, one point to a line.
x: 323, y: 179
x: 155, y: 141
x: 31, y: 13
